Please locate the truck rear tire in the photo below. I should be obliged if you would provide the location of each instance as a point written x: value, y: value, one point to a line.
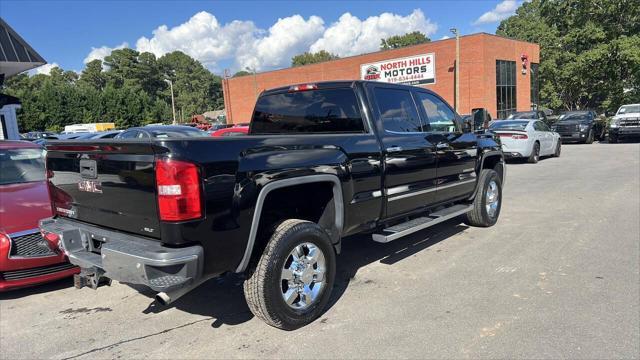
x: 487, y: 201
x: 292, y: 281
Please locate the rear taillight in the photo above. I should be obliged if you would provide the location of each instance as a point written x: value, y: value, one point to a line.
x: 514, y: 136
x: 178, y: 190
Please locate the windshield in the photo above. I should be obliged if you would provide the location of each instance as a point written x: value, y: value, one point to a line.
x: 523, y: 115
x: 21, y: 166
x: 574, y: 117
x: 628, y: 109
x: 509, y: 125
x: 179, y: 133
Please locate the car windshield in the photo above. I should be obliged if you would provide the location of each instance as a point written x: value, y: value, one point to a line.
x: 574, y: 117
x: 171, y: 133
x: 523, y: 115
x: 628, y: 109
x: 509, y: 125
x: 21, y: 166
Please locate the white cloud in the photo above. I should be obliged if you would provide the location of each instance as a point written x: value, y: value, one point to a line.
x: 245, y: 45
x: 201, y: 37
x: 44, y: 69
x: 502, y: 11
x: 352, y: 36
x: 445, y: 37
x: 286, y: 38
x: 102, y: 52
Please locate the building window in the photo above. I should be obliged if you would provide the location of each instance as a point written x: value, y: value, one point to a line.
x: 535, y: 86
x: 505, y: 88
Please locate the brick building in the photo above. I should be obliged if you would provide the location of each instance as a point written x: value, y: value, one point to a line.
x: 494, y: 74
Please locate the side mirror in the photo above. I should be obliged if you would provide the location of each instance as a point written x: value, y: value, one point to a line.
x: 467, y: 125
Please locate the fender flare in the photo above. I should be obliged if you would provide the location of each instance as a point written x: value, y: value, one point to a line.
x: 502, y: 163
x: 279, y: 184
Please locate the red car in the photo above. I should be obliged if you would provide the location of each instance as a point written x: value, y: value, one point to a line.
x: 26, y: 257
x: 231, y: 131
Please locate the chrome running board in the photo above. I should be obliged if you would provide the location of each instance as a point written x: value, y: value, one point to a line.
x: 411, y: 226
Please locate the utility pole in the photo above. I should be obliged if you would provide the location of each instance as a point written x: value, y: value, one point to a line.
x: 457, y: 70
x: 173, y: 102
x: 255, y: 81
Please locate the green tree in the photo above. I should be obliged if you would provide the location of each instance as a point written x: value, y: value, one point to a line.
x: 241, y: 73
x: 307, y: 58
x: 408, y: 39
x: 130, y: 90
x: 93, y: 76
x: 588, y: 49
x: 196, y: 89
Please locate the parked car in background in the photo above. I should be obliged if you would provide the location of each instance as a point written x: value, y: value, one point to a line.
x: 34, y: 135
x: 625, y: 123
x: 215, y: 127
x: 26, y: 257
x: 578, y: 126
x: 527, y: 139
x: 161, y: 131
x: 529, y: 115
x: 231, y: 131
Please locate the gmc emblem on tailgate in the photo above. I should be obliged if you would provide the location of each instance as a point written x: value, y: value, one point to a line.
x: 92, y: 186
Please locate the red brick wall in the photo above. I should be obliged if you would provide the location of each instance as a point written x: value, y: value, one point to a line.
x: 478, y: 54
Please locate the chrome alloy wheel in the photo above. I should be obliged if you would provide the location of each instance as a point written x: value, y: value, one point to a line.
x: 492, y: 199
x: 302, y: 278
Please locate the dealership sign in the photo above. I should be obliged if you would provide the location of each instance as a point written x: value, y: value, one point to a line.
x: 413, y: 70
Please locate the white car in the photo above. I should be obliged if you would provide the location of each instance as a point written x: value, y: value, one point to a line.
x: 528, y: 139
x: 626, y: 123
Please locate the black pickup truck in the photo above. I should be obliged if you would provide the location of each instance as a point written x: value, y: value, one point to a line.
x: 321, y: 162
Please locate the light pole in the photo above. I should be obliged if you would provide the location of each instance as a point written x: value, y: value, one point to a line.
x: 457, y: 69
x: 173, y: 102
x: 255, y: 81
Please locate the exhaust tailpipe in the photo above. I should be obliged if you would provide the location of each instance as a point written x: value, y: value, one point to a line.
x: 166, y: 298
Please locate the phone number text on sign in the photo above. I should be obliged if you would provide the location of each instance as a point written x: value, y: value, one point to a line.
x: 413, y: 70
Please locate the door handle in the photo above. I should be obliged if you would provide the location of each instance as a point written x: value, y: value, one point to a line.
x: 393, y: 149
x: 442, y: 145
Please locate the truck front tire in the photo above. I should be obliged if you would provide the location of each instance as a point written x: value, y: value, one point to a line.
x: 487, y: 201
x: 291, y: 283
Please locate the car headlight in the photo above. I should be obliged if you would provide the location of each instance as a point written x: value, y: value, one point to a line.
x: 584, y: 127
x: 613, y: 123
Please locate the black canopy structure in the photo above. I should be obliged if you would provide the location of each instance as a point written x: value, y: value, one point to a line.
x: 16, y: 55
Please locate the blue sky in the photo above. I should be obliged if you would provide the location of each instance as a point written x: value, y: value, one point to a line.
x: 236, y: 34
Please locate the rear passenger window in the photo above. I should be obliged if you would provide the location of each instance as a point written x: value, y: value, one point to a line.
x: 314, y: 111
x: 129, y: 135
x: 398, y: 112
x: 439, y: 115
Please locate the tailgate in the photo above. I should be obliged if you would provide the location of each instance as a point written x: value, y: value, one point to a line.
x: 111, y: 184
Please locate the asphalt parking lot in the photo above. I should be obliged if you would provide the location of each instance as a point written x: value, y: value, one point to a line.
x: 557, y: 277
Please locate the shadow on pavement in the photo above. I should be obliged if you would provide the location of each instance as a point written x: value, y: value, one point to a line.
x: 220, y: 298
x: 361, y: 251
x: 223, y: 298
x: 37, y: 289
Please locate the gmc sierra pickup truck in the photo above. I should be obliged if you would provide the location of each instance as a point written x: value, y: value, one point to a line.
x: 322, y: 162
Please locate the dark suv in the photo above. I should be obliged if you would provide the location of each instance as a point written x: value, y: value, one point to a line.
x: 577, y: 126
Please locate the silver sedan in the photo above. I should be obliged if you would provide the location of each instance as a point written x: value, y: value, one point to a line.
x: 528, y: 139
